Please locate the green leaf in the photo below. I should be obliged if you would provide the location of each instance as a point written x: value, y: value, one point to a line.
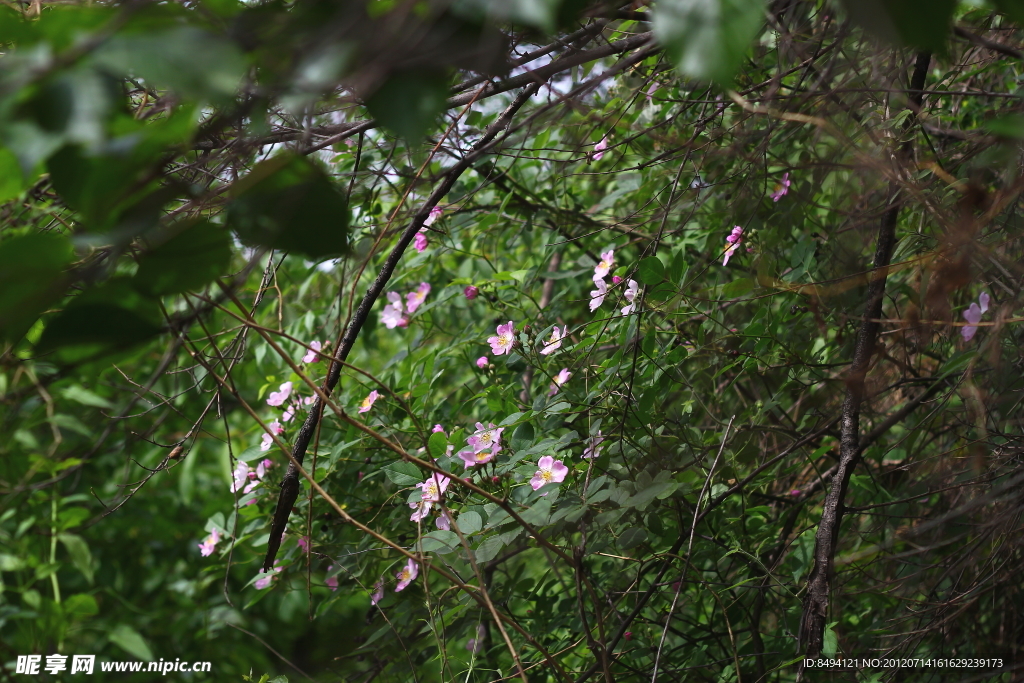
x: 922, y: 24
x: 131, y: 641
x: 522, y: 437
x: 403, y: 473
x: 1011, y: 126
x: 409, y: 103
x: 489, y: 549
x: 1011, y: 8
x: 708, y: 39
x: 11, y: 180
x: 104, y: 325
x: 198, y: 253
x: 830, y: 641
x: 737, y: 288
x: 193, y: 63
x: 30, y: 268
x: 79, y: 394
x: 289, y: 203
x: 651, y: 270
x: 441, y: 541
x: 632, y: 537
x: 539, y: 513
x: 78, y: 549
x: 81, y: 605
x: 437, y: 445
x: 469, y: 523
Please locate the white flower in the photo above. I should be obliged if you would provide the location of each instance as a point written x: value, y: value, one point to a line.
x: 597, y: 296
x: 631, y: 291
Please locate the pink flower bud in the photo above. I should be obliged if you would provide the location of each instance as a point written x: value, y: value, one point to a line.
x: 495, y: 480
x: 628, y: 635
x: 471, y: 292
x: 481, y: 362
x: 616, y: 279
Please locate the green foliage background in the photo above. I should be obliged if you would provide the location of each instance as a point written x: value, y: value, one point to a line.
x: 193, y: 193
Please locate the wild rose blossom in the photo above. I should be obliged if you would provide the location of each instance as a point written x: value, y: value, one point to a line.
x: 207, y: 547
x: 268, y: 577
x: 268, y: 441
x: 392, y: 315
x: 437, y: 428
x: 407, y: 575
x: 973, y: 316
x: 600, y: 147
x: 502, y: 343
x: 433, y: 488
x: 378, y: 592
x: 593, y: 448
x: 554, y: 342
x: 734, y: 239
x: 444, y: 522
x: 313, y: 355
x: 419, y: 242
x: 415, y: 298
x: 471, y: 292
x: 604, y: 265
x: 550, y: 470
x: 473, y: 458
x: 782, y: 188
x: 278, y: 397
x: 481, y: 362
x: 597, y: 295
x: 485, y: 437
x: 420, y: 510
x: 434, y: 214
x: 632, y: 288
x: 288, y: 414
x: 368, y: 401
x: 561, y: 378
x: 331, y: 581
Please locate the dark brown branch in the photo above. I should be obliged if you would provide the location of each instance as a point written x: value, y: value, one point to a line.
x: 819, y: 582
x: 290, y: 484
x: 981, y: 41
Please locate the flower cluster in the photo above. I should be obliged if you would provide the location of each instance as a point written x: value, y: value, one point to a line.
x: 394, y: 313
x: 248, y: 477
x: 419, y: 242
x: 431, y: 492
x: 973, y: 316
x: 484, y: 444
x: 601, y: 270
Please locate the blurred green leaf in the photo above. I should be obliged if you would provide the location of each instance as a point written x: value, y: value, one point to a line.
x: 131, y: 641
x: 81, y: 605
x: 708, y: 39
x: 651, y: 270
x: 30, y: 269
x: 923, y: 24
x: 197, y: 254
x: 408, y: 104
x: 78, y: 549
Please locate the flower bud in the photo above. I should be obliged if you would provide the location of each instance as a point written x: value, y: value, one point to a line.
x: 616, y: 279
x: 471, y: 292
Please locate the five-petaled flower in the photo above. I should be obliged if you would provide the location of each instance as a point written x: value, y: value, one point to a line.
x: 433, y: 488
x: 392, y: 316
x: 473, y: 458
x: 632, y: 288
x: 434, y: 214
x: 597, y: 295
x: 485, y: 437
x: 555, y: 340
x: 420, y: 510
x: 207, y: 546
x: 502, y: 342
x: 368, y: 401
x: 419, y: 242
x: 733, y: 242
x: 561, y: 378
x: 551, y: 471
x: 443, y: 522
x: 604, y: 265
x: 593, y: 448
x: 973, y: 316
x: 481, y: 362
x: 406, y: 576
x: 415, y: 298
x: 278, y: 397
x: 313, y: 355
x: 781, y: 188
x: 266, y: 578
x: 600, y: 147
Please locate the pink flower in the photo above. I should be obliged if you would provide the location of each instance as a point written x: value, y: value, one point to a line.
x: 276, y: 428
x: 268, y: 441
x: 437, y: 428
x: 734, y: 239
x: 406, y: 576
x: 597, y: 295
x: 267, y: 577
x: 434, y: 214
x: 368, y: 401
x: 378, y: 592
x: 973, y: 316
x: 481, y: 362
x: 475, y: 645
x: 420, y: 510
x: 485, y: 437
x: 795, y: 493
x: 308, y: 401
x: 551, y: 470
x: 392, y: 315
x: 600, y: 147
x: 434, y: 487
x: 471, y: 292
x: 415, y: 299
x: 240, y: 476
x: 312, y: 356
x: 632, y: 288
x: 474, y: 458
x: 604, y: 265
x: 561, y: 378
x: 261, y: 468
x: 304, y: 543
x: 781, y: 188
x: 331, y: 581
x: 628, y: 635
x: 555, y: 340
x: 502, y: 343
x: 420, y: 241
x: 444, y: 522
x: 206, y: 548
x: 616, y: 279
x: 278, y: 397
x: 288, y: 414
x: 593, y: 448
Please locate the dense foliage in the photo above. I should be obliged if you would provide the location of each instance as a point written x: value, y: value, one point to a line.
x: 562, y: 342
